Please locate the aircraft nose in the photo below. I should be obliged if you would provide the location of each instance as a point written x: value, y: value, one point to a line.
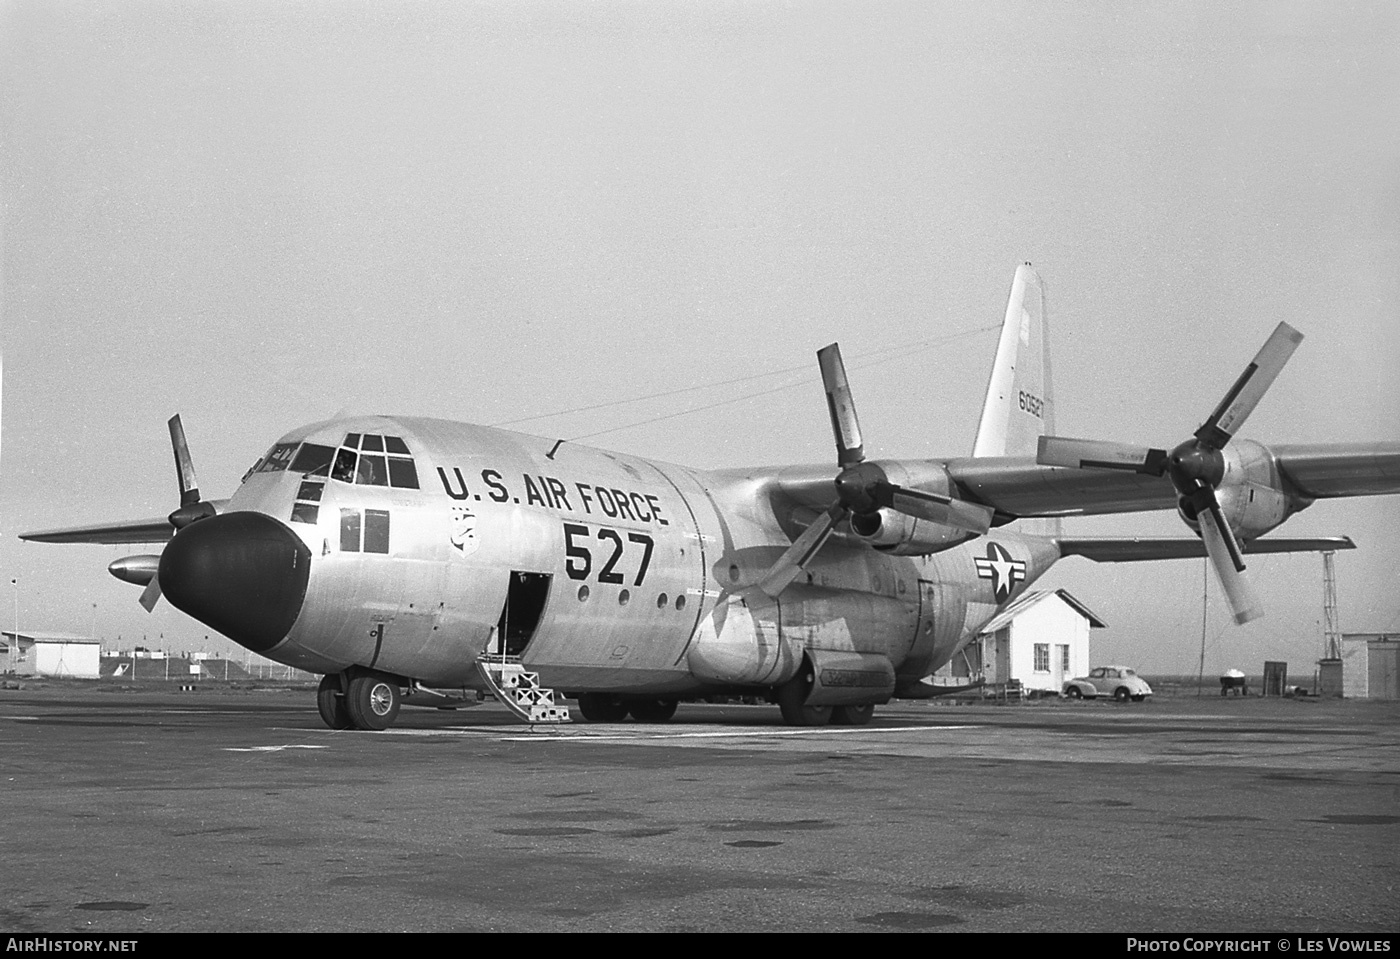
x: 243, y: 573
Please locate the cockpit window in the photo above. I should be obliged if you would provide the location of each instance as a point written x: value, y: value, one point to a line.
x: 402, y: 473
x: 278, y: 458
x: 313, y: 458
x: 344, y: 469
x: 371, y: 471
x: 360, y: 460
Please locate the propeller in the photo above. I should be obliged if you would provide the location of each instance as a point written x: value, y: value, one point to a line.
x: 192, y: 507
x: 1196, y: 466
x: 862, y: 488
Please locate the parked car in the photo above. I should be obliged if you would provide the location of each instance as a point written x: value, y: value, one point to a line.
x: 1120, y: 682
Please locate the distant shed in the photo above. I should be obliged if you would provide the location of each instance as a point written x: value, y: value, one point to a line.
x: 56, y: 655
x: 1369, y: 665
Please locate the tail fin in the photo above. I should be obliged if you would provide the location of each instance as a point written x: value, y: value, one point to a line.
x: 1019, y: 407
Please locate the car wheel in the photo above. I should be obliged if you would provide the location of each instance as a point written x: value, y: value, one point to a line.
x: 1121, y: 694
x: 1073, y: 692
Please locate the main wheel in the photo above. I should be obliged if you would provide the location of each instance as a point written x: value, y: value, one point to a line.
x: 602, y: 707
x: 1121, y: 694
x: 330, y: 703
x: 652, y: 710
x: 791, y: 696
x: 372, y: 702
x: 852, y: 715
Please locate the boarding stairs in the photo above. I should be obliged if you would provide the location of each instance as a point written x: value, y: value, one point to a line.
x: 521, y: 691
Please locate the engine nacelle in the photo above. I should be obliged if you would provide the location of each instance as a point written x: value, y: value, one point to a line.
x: 1251, y: 492
x: 901, y: 535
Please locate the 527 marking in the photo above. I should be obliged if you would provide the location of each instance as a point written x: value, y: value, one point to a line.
x: 578, y: 562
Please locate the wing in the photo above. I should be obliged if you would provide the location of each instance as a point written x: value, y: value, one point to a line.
x: 157, y: 529
x: 1351, y: 469
x: 1018, y: 486
x: 154, y: 530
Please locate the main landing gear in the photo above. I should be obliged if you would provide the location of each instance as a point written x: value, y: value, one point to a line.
x: 360, y: 700
x: 607, y: 708
x: 792, y: 697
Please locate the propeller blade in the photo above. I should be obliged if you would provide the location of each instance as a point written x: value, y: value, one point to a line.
x: 151, y: 594
x: 1224, y: 557
x: 1097, y: 454
x: 184, y: 464
x: 192, y: 507
x: 1249, y: 389
x: 943, y: 510
x: 800, y: 553
x: 844, y: 424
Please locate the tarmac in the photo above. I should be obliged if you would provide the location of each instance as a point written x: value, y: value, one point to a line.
x: 136, y: 809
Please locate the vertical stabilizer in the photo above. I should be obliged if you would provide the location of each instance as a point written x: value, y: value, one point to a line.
x: 1019, y: 408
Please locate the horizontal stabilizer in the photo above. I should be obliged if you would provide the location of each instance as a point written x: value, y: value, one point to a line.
x: 1133, y: 550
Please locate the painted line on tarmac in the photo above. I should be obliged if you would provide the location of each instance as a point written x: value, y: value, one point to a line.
x: 582, y: 735
x: 269, y: 749
x: 600, y: 737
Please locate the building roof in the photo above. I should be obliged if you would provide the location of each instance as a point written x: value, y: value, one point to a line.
x: 1033, y: 597
x: 28, y: 637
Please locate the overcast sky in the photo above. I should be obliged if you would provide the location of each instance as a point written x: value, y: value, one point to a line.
x: 258, y: 214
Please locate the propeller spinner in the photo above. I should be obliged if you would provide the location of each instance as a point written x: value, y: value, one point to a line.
x: 862, y: 488
x: 1197, y: 466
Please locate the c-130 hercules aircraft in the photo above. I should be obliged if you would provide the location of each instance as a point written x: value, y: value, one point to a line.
x: 445, y: 560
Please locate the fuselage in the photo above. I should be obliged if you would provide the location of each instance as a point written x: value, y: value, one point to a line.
x: 425, y: 544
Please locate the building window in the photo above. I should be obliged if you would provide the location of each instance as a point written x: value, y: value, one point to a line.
x: 1064, y: 658
x: 1042, y: 657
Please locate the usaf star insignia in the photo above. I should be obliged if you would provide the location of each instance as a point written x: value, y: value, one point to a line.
x: 1001, y: 569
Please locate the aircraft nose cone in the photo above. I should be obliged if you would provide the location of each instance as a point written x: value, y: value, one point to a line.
x: 243, y: 574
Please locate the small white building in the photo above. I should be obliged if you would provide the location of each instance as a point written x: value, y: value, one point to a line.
x: 1041, y: 639
x: 57, y: 655
x: 1371, y: 666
